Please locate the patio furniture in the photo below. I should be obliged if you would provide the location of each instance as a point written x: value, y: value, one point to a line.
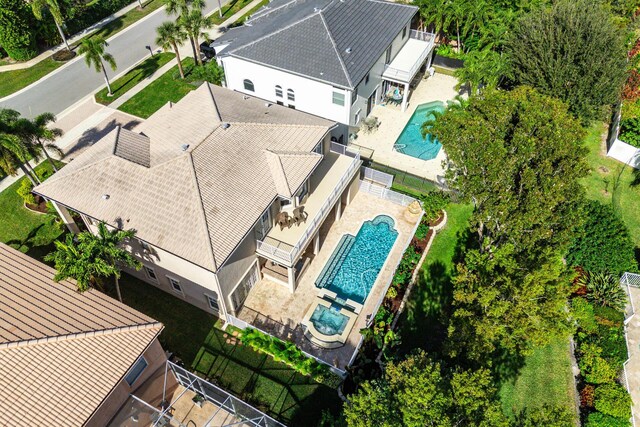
x: 299, y: 215
x: 284, y: 220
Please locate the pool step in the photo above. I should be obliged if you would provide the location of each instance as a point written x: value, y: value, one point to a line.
x: 331, y: 268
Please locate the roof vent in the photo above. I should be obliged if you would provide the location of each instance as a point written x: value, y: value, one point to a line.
x: 316, y: 9
x: 225, y: 126
x: 184, y: 147
x: 348, y: 50
x: 105, y: 197
x: 245, y: 97
x: 267, y: 104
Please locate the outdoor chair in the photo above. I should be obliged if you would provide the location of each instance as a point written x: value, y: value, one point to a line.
x: 299, y: 215
x: 284, y: 220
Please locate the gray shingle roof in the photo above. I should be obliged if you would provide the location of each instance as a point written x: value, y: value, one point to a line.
x: 333, y: 41
x: 197, y: 202
x: 133, y: 147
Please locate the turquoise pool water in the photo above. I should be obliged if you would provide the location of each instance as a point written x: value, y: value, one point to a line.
x: 354, y: 265
x: 329, y: 321
x: 411, y: 142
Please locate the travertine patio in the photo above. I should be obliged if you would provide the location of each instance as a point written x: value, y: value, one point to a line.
x: 438, y: 87
x: 271, y: 307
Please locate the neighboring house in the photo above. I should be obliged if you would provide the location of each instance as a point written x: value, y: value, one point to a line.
x: 203, y: 182
x: 332, y: 58
x: 67, y: 358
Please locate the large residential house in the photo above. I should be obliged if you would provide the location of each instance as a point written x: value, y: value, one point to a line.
x: 67, y: 358
x: 212, y: 185
x: 332, y: 58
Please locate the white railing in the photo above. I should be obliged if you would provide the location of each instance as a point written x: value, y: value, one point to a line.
x: 626, y: 281
x: 385, y: 193
x: 377, y: 177
x: 345, y: 150
x: 407, y: 76
x: 288, y: 257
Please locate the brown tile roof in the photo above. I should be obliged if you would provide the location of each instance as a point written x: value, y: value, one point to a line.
x: 61, y: 352
x: 210, y: 176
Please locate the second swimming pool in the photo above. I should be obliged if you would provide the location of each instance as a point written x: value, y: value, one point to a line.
x: 411, y: 142
x: 354, y: 265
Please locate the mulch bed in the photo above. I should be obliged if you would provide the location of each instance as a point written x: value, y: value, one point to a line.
x: 39, y: 207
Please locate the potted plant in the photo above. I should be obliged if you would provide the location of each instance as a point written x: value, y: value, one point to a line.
x: 198, y: 399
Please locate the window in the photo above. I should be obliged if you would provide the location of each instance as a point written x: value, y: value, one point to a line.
x: 404, y: 33
x: 284, y: 202
x: 279, y: 102
x: 387, y: 59
x: 290, y: 95
x: 88, y: 220
x: 354, y: 96
x: 318, y: 148
x: 175, y: 285
x: 248, y: 85
x: 357, y: 118
x: 304, y: 190
x: 366, y: 79
x: 136, y: 371
x: 279, y: 91
x: 213, y: 302
x: 151, y: 274
x: 338, y: 98
x: 293, y: 107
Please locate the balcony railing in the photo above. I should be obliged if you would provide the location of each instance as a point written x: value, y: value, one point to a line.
x: 287, y: 254
x: 407, y: 75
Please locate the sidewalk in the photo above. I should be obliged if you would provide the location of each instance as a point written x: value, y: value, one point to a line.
x: 72, y: 39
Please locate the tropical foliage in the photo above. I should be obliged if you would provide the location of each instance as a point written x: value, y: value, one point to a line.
x: 604, y: 289
x: 95, y: 56
x: 16, y: 36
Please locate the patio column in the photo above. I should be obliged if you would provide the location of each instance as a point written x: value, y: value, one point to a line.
x: 66, y: 218
x: 316, y: 243
x: 291, y: 273
x: 405, y: 96
x: 339, y: 209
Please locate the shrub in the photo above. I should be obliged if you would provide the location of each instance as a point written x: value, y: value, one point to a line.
x: 584, y: 314
x: 433, y: 202
x: 210, y: 72
x: 422, y: 230
x: 16, y: 36
x: 24, y: 191
x: 602, y: 242
x: 587, y: 396
x: 613, y: 399
x: 604, y: 289
x: 594, y: 368
x: 630, y: 128
x: 598, y: 419
x: 392, y: 292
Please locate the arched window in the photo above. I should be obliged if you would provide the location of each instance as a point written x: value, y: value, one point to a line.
x: 248, y: 85
x: 279, y: 91
x: 290, y: 95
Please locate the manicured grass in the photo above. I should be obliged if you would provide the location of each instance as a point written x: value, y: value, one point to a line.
x: 193, y: 336
x: 421, y: 324
x: 133, y: 77
x: 27, y: 231
x: 228, y: 10
x: 250, y: 12
x: 13, y: 81
x: 545, y: 378
x: 162, y: 90
x: 611, y: 182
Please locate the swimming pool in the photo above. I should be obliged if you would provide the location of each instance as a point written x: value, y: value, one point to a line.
x: 411, y: 142
x: 356, y: 262
x: 329, y: 320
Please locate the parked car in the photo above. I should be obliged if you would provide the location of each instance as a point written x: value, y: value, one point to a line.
x: 206, y: 49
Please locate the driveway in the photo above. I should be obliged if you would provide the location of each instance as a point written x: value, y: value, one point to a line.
x: 64, y: 87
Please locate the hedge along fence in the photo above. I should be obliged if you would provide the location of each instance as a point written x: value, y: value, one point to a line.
x: 289, y: 354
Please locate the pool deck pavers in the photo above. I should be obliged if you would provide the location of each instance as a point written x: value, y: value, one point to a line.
x: 438, y: 87
x: 277, y: 303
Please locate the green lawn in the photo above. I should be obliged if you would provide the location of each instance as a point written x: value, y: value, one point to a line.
x: 611, y: 181
x: 162, y: 90
x: 141, y: 71
x: 13, y: 81
x: 228, y: 10
x: 250, y: 12
x: 545, y: 378
x: 27, y: 231
x: 421, y: 325
x: 192, y: 334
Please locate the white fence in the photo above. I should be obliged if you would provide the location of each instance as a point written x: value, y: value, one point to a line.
x: 377, y: 177
x: 385, y: 193
x: 625, y: 153
x: 629, y: 280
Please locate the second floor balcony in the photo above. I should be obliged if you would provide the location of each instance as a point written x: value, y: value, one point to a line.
x: 408, y: 61
x: 327, y: 184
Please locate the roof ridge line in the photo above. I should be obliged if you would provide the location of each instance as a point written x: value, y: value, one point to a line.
x: 78, y: 335
x: 215, y: 105
x: 202, y: 211
x: 115, y: 144
x: 335, y: 47
x: 295, y: 153
x: 292, y: 125
x: 274, y: 33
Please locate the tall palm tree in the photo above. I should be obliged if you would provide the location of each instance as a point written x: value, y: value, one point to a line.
x: 106, y: 247
x: 170, y: 35
x: 14, y: 154
x: 54, y: 8
x: 182, y: 8
x: 43, y: 136
x: 95, y: 56
x: 194, y: 24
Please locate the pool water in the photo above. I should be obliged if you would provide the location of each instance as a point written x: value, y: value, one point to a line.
x: 411, y: 142
x: 328, y: 321
x: 357, y: 260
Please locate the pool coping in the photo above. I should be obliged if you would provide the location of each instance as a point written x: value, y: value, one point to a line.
x: 324, y: 340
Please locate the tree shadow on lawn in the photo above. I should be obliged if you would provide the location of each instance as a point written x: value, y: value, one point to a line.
x: 33, y: 244
x: 145, y: 69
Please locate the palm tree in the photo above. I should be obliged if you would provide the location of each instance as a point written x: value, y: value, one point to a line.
x: 604, y: 288
x: 54, y: 9
x: 44, y: 136
x: 14, y: 153
x: 106, y: 248
x: 170, y: 35
x: 71, y: 261
x: 182, y: 8
x: 93, y: 48
x: 194, y: 24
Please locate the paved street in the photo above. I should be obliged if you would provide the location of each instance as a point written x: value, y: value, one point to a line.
x: 63, y: 88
